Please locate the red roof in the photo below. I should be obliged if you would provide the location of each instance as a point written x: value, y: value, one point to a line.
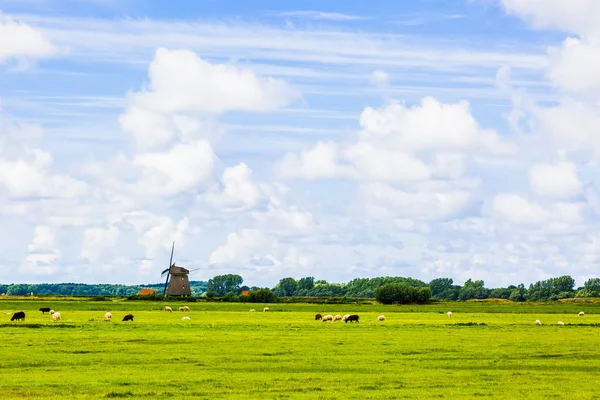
x: 146, y: 292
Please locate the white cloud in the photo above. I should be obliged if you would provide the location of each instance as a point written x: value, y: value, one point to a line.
x: 22, y: 42
x: 573, y: 16
x: 43, y: 255
x: 331, y: 16
x: 96, y: 241
x: 575, y: 66
x: 559, y: 181
x: 380, y: 79
x: 161, y: 236
x: 180, y: 81
x: 237, y: 192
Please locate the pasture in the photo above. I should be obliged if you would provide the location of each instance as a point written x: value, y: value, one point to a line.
x: 486, y: 350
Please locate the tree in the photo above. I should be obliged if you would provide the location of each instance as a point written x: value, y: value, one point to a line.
x: 439, y: 286
x: 591, y: 288
x: 402, y: 293
x: 221, y: 284
x: 262, y: 296
x: 287, y: 287
x: 473, y: 290
x: 306, y: 283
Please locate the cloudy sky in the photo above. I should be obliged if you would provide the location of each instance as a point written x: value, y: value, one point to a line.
x: 456, y: 138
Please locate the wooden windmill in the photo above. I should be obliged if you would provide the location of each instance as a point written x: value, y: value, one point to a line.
x: 177, y: 283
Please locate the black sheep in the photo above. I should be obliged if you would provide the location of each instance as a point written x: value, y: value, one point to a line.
x: 44, y: 310
x: 318, y: 317
x: 18, y: 316
x: 128, y: 317
x: 352, y: 318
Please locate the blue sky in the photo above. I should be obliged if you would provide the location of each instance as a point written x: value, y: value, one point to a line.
x: 271, y: 139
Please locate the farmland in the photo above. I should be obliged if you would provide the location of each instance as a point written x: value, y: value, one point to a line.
x: 486, y: 350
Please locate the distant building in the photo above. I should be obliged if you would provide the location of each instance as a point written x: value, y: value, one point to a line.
x: 146, y: 292
x: 245, y: 292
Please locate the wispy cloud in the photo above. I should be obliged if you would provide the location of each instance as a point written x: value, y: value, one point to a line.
x: 425, y: 19
x: 330, y: 16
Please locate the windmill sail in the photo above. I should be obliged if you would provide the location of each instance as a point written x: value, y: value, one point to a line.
x: 168, y: 269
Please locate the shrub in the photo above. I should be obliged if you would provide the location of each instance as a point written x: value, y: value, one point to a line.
x: 401, y: 293
x: 210, y: 295
x: 262, y: 296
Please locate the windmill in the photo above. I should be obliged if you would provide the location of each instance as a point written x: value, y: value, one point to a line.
x: 177, y: 283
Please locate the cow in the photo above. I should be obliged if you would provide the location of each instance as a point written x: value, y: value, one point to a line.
x: 128, y: 317
x: 45, y: 310
x: 352, y: 318
x: 318, y: 317
x: 18, y: 316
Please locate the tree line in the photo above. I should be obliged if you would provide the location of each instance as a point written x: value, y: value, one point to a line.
x: 198, y: 288
x: 230, y: 287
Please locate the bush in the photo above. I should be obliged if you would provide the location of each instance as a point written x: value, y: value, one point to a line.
x: 401, y: 293
x: 262, y: 296
x: 230, y: 297
x: 210, y: 295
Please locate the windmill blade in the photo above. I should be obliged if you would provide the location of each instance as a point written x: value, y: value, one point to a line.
x: 169, y: 269
x: 164, y: 272
x: 172, y: 250
x: 196, y: 269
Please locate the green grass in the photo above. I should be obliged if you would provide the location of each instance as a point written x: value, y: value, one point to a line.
x: 486, y: 350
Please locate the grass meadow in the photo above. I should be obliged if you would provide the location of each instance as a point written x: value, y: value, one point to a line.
x: 486, y: 350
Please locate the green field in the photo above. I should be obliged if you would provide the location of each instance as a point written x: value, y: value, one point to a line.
x: 486, y: 350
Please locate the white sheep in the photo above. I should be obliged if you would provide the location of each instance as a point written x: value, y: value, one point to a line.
x: 167, y: 308
x: 184, y: 308
x: 345, y: 317
x: 337, y: 317
x: 538, y: 322
x: 56, y: 316
x: 449, y: 314
x: 560, y: 323
x: 252, y: 310
x: 107, y: 316
x: 381, y: 318
x: 266, y: 309
x: 186, y: 318
x: 581, y: 313
x: 51, y: 312
x: 328, y: 317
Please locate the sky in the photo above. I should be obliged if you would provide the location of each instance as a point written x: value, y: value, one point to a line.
x: 425, y: 139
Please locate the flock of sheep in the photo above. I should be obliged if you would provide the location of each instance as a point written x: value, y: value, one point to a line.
x: 20, y: 316
x: 538, y: 322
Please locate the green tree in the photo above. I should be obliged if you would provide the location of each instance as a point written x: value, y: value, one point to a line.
x: 306, y: 283
x: 287, y: 287
x: 262, y: 296
x: 221, y: 284
x: 402, y: 293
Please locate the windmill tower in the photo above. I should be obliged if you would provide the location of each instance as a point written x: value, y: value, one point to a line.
x: 177, y: 283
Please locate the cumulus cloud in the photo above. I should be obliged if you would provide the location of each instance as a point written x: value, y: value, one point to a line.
x: 180, y: 81
x: 43, y: 255
x: 22, y: 42
x: 558, y: 181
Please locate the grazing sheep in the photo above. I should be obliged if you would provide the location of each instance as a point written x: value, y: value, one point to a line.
x: 266, y: 309
x: 128, y: 317
x: 51, y: 312
x: 381, y: 318
x: 352, y: 318
x: 337, y: 317
x: 318, y: 317
x: 538, y: 322
x: 581, y: 313
x: 186, y: 318
x: 449, y: 314
x: 345, y: 317
x: 107, y: 316
x: 184, y: 308
x: 167, y: 308
x: 560, y: 323
x: 18, y: 316
x: 44, y: 310
x: 252, y: 310
x: 328, y: 318
x: 56, y: 316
